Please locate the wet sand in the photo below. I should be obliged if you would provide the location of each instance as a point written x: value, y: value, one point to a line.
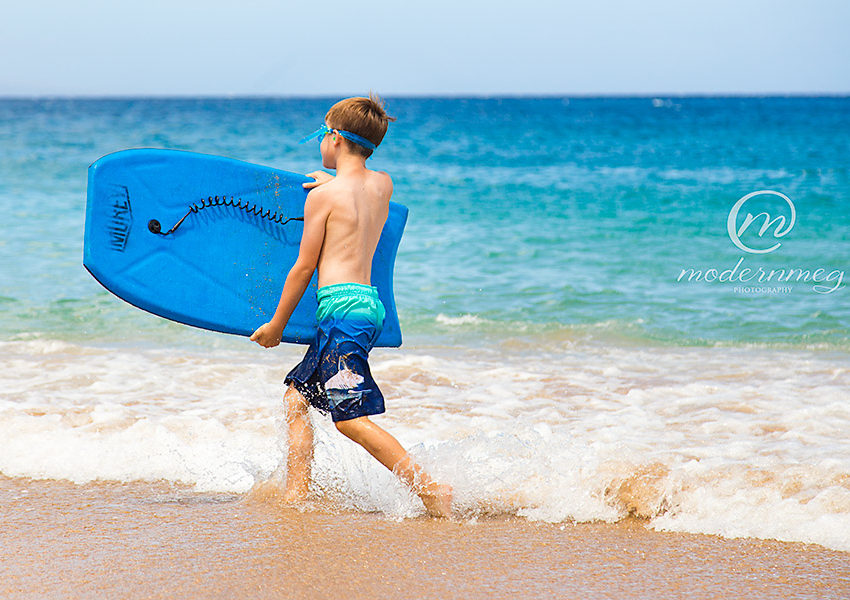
x: 143, y: 540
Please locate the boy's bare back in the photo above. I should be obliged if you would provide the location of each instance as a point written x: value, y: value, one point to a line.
x: 356, y: 204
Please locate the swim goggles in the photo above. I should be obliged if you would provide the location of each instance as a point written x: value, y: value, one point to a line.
x: 322, y: 131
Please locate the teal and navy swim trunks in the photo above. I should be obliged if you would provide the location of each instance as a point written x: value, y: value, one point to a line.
x: 334, y: 375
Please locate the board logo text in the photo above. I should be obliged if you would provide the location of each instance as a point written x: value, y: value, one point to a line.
x: 120, y: 217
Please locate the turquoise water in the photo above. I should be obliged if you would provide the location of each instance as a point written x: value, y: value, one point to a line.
x: 554, y: 354
x: 533, y: 218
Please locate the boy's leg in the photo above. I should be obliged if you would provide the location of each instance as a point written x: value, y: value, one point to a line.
x: 384, y: 447
x: 300, y: 453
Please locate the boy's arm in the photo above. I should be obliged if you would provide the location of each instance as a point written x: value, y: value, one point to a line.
x: 315, y: 216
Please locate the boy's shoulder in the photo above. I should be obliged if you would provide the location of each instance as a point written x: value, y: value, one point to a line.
x: 384, y: 184
x: 383, y: 178
x: 379, y: 177
x: 377, y: 182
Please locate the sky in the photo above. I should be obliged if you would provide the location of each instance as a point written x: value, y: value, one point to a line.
x: 436, y: 47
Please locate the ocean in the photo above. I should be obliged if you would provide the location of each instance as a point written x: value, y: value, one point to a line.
x: 594, y: 328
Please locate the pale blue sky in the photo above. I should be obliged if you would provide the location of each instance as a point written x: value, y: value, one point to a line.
x: 437, y: 47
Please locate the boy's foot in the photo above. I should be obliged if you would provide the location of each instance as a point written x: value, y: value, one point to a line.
x: 437, y: 500
x: 293, y: 496
x: 270, y: 491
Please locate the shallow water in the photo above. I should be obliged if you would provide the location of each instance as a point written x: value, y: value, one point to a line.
x: 710, y: 440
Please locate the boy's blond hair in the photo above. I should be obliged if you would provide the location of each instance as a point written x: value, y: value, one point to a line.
x: 364, y: 116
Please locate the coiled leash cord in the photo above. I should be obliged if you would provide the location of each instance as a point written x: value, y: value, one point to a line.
x: 154, y: 226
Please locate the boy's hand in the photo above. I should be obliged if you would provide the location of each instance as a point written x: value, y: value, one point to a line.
x: 267, y: 336
x: 320, y: 177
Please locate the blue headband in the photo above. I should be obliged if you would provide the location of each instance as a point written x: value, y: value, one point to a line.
x: 357, y: 139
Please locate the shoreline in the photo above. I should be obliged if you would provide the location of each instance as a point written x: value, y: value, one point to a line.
x: 161, y: 540
x: 581, y: 337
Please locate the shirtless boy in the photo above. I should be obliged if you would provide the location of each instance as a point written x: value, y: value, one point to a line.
x: 343, y: 219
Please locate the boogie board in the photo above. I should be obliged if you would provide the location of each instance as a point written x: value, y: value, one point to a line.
x: 208, y: 241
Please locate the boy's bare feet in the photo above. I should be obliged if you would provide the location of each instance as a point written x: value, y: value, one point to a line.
x: 437, y: 499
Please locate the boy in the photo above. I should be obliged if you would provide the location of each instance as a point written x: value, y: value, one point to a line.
x: 343, y: 219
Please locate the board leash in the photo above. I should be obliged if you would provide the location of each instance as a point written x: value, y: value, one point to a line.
x: 154, y: 226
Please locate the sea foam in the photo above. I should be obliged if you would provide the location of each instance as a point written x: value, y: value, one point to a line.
x: 729, y: 441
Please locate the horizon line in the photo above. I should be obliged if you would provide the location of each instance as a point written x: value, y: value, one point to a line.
x: 426, y: 96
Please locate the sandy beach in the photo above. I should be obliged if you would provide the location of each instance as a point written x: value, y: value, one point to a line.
x: 143, y: 540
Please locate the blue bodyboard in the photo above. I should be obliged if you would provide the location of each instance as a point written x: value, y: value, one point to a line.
x: 223, y: 267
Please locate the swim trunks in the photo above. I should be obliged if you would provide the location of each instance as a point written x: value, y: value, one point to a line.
x: 334, y: 374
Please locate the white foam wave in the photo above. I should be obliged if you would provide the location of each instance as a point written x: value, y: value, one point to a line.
x: 466, y: 319
x: 736, y: 442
